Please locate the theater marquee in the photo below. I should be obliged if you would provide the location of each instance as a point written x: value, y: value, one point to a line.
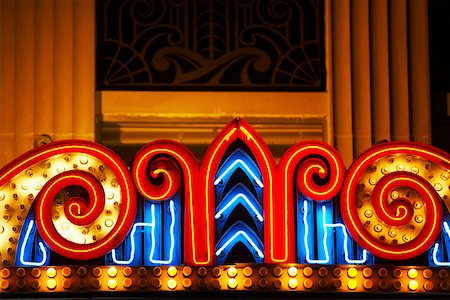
x: 74, y: 218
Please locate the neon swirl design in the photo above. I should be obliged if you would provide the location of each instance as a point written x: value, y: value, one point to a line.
x: 85, y: 200
x: 161, y: 166
x: 320, y: 170
x: 174, y: 160
x: 391, y: 200
x: 49, y: 170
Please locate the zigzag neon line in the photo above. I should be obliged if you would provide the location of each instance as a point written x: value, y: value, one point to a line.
x: 241, y: 232
x: 220, y: 212
x: 436, y: 247
x: 172, y: 236
x: 305, y: 239
x: 151, y: 224
x: 22, y: 249
x: 244, y: 165
x: 325, y: 244
x: 126, y: 262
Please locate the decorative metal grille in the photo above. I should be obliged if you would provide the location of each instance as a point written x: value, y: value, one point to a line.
x: 210, y: 45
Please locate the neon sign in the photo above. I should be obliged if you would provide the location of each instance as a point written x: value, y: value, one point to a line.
x: 237, y: 220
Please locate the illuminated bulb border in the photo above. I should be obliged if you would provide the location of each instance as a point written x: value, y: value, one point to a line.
x: 432, y: 281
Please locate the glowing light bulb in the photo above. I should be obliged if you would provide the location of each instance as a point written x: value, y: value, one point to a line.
x: 112, y: 284
x: 292, y: 271
x: 293, y: 283
x: 171, y: 283
x: 112, y: 272
x: 412, y: 273
x: 378, y: 228
x: 352, y: 284
x: 51, y: 284
x: 352, y: 272
x: 172, y: 271
x: 232, y: 272
x: 232, y: 283
x: 51, y: 272
x: 413, y: 285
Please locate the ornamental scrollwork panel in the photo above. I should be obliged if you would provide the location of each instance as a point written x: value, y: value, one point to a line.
x: 210, y: 44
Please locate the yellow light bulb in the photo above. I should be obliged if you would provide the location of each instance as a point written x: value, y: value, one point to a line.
x: 293, y: 283
x: 232, y: 272
x: 51, y: 272
x: 112, y: 284
x: 51, y: 284
x: 413, y: 285
x: 112, y: 272
x: 172, y: 271
x: 232, y: 283
x: 412, y: 273
x: 292, y: 271
x: 171, y: 283
x: 352, y: 272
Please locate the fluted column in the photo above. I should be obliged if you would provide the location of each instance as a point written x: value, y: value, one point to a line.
x: 24, y: 76
x: 388, y: 71
x: 342, y: 97
x: 43, y: 71
x: 63, y: 64
x: 83, y: 70
x: 7, y: 79
x: 379, y: 64
x: 399, y: 70
x: 47, y: 67
x: 419, y: 86
x: 362, y: 129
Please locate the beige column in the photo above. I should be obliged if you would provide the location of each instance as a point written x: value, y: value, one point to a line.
x: 63, y: 68
x: 43, y: 69
x: 46, y: 72
x: 84, y: 69
x: 399, y: 70
x: 7, y: 79
x: 360, y: 51
x: 419, y: 87
x: 342, y: 79
x: 380, y: 70
x: 24, y: 79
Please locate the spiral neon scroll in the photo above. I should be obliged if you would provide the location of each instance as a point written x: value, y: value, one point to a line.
x: 158, y: 169
x: 392, y: 198
x: 85, y: 199
x: 319, y: 169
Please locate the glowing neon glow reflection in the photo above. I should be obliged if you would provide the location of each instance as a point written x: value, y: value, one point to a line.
x: 236, y: 199
x: 238, y: 163
x: 236, y: 236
